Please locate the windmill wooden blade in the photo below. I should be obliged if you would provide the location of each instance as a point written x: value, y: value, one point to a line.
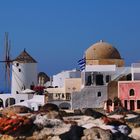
x: 7, y: 60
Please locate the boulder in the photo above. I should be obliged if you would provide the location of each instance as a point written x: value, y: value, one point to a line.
x: 135, y: 134
x: 43, y: 121
x: 47, y: 132
x: 15, y: 110
x: 49, y: 107
x: 53, y: 115
x: 97, y: 133
x: 93, y: 113
x: 75, y: 133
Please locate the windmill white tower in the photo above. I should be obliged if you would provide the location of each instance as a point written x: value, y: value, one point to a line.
x: 24, y: 73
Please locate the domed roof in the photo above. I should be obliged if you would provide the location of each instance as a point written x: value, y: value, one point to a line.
x: 102, y: 50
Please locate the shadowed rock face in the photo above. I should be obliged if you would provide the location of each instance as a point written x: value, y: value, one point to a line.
x: 75, y: 133
x: 49, y: 107
x: 93, y: 113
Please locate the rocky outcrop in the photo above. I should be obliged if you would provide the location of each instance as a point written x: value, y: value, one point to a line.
x: 52, y: 124
x: 49, y: 107
x: 43, y: 121
x: 15, y: 110
x: 93, y: 113
x: 97, y: 133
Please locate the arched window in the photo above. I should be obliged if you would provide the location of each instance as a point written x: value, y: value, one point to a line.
x: 1, y: 102
x: 131, y: 92
x: 10, y: 101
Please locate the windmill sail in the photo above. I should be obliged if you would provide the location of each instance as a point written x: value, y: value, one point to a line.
x: 7, y: 62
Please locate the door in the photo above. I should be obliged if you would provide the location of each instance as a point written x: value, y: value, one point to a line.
x: 132, y: 105
x: 125, y: 104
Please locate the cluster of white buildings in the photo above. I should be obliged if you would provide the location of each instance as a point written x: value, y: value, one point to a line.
x: 100, y: 82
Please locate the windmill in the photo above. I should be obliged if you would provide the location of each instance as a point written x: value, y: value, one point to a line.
x: 7, y: 61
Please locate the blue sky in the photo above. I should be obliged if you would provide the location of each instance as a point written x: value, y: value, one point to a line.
x: 57, y: 32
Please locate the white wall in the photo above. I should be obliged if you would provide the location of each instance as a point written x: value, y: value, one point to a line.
x: 26, y: 77
x: 101, y: 68
x: 135, y: 70
x: 59, y: 79
x: 5, y: 96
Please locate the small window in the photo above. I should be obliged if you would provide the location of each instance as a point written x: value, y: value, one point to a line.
x: 107, y: 78
x: 63, y: 96
x: 19, y: 70
x: 17, y: 64
x: 131, y: 92
x: 99, y: 94
x: 21, y: 100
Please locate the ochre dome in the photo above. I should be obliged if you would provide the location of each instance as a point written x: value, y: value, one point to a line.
x: 102, y: 50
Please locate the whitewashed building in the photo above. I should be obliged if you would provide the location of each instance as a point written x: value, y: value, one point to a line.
x: 24, y: 76
x: 59, y: 79
x: 24, y: 73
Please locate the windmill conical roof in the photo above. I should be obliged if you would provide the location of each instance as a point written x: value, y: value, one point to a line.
x: 24, y: 57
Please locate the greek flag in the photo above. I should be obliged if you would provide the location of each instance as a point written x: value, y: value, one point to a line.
x: 82, y: 63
